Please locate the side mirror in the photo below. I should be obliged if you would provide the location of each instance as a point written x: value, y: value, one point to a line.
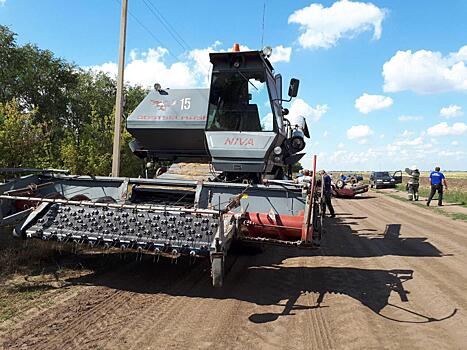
x: 293, y: 87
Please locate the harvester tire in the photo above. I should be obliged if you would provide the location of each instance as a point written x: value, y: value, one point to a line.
x: 217, y: 272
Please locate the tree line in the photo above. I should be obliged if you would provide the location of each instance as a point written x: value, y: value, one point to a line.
x: 56, y: 114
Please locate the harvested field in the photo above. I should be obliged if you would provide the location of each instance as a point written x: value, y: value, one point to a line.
x: 389, y: 275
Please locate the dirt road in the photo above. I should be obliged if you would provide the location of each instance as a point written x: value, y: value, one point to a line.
x: 390, y: 275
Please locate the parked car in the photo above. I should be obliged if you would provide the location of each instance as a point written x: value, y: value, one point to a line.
x: 382, y: 179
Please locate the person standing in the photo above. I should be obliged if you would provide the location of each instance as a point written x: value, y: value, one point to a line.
x: 327, y: 193
x: 414, y: 182
x: 437, y: 180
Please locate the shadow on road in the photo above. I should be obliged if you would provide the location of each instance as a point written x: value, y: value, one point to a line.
x: 270, y: 277
x: 341, y: 239
x: 258, y: 279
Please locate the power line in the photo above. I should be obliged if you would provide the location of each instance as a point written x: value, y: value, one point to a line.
x: 185, y: 46
x: 262, y: 27
x: 170, y: 29
x: 142, y: 25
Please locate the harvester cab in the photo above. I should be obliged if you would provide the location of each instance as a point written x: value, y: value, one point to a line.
x: 238, y: 124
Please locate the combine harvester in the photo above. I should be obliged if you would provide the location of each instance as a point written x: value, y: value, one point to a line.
x: 237, y: 128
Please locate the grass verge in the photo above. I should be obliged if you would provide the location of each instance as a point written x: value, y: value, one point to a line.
x: 30, y: 271
x: 456, y: 196
x: 14, y: 298
x: 455, y: 216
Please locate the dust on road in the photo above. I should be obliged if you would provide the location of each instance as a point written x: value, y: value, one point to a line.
x: 389, y: 275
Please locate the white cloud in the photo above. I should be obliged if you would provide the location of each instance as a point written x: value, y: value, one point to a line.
x: 202, y: 66
x: 426, y: 71
x: 323, y: 27
x: 2, y: 2
x: 443, y: 129
x: 367, y: 103
x: 414, y: 142
x: 325, y: 133
x: 451, y: 111
x: 363, y: 142
x: 407, y: 133
x: 300, y: 108
x: 193, y: 70
x: 267, y: 122
x: 409, y: 118
x: 359, y: 131
x: 109, y: 68
x: 340, y: 145
x: 280, y: 54
x: 455, y: 143
x: 149, y: 67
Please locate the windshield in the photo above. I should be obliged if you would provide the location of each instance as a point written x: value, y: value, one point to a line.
x: 239, y: 101
x: 382, y: 174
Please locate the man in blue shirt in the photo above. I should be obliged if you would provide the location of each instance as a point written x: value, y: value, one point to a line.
x: 437, y: 180
x: 327, y: 193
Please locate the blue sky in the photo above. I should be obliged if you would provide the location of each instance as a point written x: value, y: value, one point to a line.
x: 414, y: 113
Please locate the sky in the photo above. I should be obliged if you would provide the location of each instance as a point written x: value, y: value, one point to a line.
x: 383, y: 84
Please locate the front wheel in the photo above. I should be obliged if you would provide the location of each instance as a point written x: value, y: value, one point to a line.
x: 217, y: 271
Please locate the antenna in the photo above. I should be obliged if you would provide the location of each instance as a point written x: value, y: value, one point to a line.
x: 262, y: 27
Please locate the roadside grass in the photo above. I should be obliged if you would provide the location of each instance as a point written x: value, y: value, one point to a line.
x: 452, y: 195
x: 454, y: 216
x: 18, y: 259
x: 18, y: 256
x: 31, y: 272
x: 14, y: 298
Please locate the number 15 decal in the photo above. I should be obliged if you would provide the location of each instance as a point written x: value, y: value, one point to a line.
x: 186, y: 103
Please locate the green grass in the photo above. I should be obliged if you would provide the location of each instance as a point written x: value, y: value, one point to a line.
x: 12, y: 298
x: 454, y: 216
x: 450, y: 196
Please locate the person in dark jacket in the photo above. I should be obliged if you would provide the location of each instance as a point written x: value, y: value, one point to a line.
x: 414, y: 182
x: 327, y: 193
x: 437, y: 180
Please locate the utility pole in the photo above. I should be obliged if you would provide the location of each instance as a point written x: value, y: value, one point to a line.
x: 119, y: 99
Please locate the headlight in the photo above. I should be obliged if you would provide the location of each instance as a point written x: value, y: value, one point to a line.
x: 277, y: 150
x: 277, y: 159
x: 379, y: 180
x: 393, y: 180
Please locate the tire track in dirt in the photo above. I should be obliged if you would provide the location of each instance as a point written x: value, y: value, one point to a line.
x: 137, y: 314
x: 425, y: 275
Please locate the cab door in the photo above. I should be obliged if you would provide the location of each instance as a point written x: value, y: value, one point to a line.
x: 397, y: 177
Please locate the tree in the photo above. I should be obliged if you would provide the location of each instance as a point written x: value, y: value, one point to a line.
x: 71, y: 108
x: 21, y: 139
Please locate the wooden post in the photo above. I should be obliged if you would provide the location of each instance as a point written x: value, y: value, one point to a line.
x: 119, y: 99
x: 307, y: 228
